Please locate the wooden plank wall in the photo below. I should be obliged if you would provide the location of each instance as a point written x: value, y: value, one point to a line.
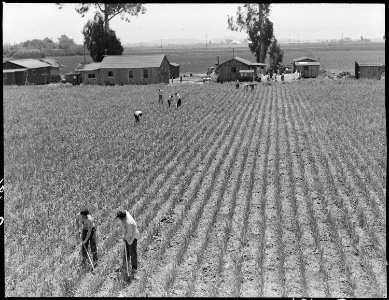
x: 225, y: 73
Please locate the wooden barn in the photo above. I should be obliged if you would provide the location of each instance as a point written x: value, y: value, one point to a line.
x: 230, y: 70
x: 54, y: 70
x: 134, y: 69
x: 369, y: 70
x: 174, y: 69
x: 26, y: 71
x: 302, y: 59
x: 307, y: 69
x: 90, y: 73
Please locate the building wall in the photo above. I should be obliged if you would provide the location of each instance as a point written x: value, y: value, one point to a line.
x: 370, y: 72
x: 225, y: 70
x: 10, y: 78
x: 174, y: 71
x: 84, y: 77
x: 308, y: 71
x: 294, y: 67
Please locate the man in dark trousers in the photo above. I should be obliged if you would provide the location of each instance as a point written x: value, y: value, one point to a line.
x: 87, y: 235
x: 169, y: 100
x: 137, y: 114
x: 178, y: 100
x: 130, y: 238
x: 160, y: 96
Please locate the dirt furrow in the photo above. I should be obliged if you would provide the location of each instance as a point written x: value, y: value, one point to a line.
x: 225, y: 230
x: 295, y: 281
x: 315, y: 273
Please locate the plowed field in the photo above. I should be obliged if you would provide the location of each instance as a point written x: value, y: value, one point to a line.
x: 276, y: 192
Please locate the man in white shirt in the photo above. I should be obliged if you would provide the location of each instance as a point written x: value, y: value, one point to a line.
x: 178, y: 97
x: 137, y: 114
x: 88, y: 234
x: 130, y: 237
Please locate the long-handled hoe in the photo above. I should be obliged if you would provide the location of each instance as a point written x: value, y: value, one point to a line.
x: 125, y: 251
x: 90, y: 260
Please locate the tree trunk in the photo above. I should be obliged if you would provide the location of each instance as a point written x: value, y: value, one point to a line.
x: 262, y: 53
x: 106, y: 25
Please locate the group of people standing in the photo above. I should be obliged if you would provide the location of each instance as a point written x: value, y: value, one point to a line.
x: 170, y: 98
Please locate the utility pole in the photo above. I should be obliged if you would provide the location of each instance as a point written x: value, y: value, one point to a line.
x: 84, y: 55
x: 161, y: 44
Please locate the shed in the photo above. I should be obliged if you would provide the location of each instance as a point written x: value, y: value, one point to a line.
x: 73, y: 78
x: 14, y: 76
x: 302, y: 59
x: 134, y: 69
x: 230, y: 69
x: 308, y: 69
x: 369, y: 70
x: 54, y: 70
x: 35, y: 71
x: 174, y: 69
x: 90, y: 73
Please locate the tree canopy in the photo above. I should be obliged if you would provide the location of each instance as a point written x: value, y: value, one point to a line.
x: 111, y: 10
x: 275, y: 55
x: 98, y: 40
x: 254, y: 19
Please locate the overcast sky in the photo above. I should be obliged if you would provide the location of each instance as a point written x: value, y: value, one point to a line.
x: 26, y: 21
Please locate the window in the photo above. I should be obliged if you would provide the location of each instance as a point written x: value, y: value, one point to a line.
x: 110, y: 74
x: 33, y: 72
x: 233, y: 69
x: 145, y: 74
x: 91, y: 75
x: 130, y: 74
x: 45, y: 71
x: 26, y: 73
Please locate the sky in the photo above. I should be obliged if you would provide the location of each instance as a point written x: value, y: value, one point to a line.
x: 303, y: 22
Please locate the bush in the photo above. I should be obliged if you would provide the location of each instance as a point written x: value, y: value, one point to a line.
x: 29, y: 53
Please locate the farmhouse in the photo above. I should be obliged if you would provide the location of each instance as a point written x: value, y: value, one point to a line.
x: 90, y: 74
x: 134, y: 69
x: 308, y: 67
x: 26, y: 71
x: 369, y: 70
x: 231, y: 69
x: 174, y: 69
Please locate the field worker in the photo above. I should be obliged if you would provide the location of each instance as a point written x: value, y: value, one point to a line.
x: 178, y: 97
x: 137, y: 114
x: 252, y: 86
x: 160, y: 96
x: 237, y: 84
x: 282, y: 78
x: 87, y: 235
x: 130, y: 238
x: 169, y: 100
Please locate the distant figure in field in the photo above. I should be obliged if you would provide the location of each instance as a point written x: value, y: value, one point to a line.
x: 246, y: 86
x: 160, y: 96
x: 178, y: 97
x: 252, y: 86
x: 169, y: 100
x: 237, y: 84
x: 282, y: 78
x: 137, y: 114
x: 180, y: 79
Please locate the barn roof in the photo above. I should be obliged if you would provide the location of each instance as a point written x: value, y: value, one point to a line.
x: 303, y: 58
x: 14, y: 70
x: 90, y: 67
x: 244, y: 61
x: 51, y: 61
x: 132, y: 61
x: 30, y: 63
x: 307, y: 63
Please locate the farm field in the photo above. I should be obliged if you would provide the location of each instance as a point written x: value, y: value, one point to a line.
x: 276, y: 192
x: 197, y: 59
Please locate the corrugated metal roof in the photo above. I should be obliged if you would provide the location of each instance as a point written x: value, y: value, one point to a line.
x: 244, y: 61
x: 14, y: 70
x: 30, y: 63
x: 51, y: 61
x: 370, y: 65
x: 304, y: 57
x: 89, y: 67
x: 307, y: 63
x: 132, y: 61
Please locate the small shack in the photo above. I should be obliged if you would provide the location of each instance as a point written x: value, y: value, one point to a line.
x: 90, y: 73
x: 230, y: 69
x: 134, y: 69
x: 26, y: 71
x: 174, y: 69
x: 308, y: 69
x: 369, y: 70
x: 302, y: 59
x: 73, y: 78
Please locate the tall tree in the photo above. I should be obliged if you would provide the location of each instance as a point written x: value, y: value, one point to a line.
x: 66, y: 43
x: 254, y: 19
x: 97, y: 40
x: 111, y: 10
x: 275, y: 55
